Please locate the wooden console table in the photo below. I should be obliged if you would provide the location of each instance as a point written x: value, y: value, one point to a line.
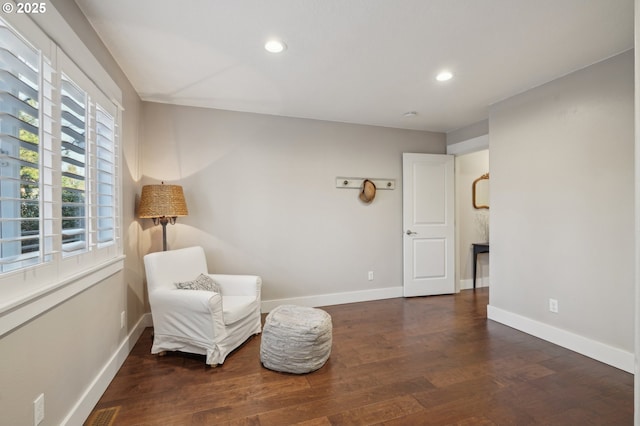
x: 478, y: 248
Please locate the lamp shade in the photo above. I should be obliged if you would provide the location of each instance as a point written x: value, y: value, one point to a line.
x: 162, y: 201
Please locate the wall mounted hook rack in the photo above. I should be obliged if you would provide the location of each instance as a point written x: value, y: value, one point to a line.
x: 356, y: 183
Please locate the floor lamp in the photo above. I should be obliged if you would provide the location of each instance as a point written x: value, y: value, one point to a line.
x: 164, y: 204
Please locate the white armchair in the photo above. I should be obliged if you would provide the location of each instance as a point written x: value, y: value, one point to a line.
x: 200, y: 321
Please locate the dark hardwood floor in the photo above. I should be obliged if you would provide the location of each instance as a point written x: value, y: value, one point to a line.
x: 425, y: 360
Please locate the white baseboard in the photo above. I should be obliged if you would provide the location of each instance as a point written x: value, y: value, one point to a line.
x: 593, y: 349
x: 334, y: 298
x: 82, y: 409
x: 468, y: 283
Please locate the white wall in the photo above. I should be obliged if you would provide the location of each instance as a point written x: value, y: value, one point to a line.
x: 469, y: 132
x: 65, y: 352
x: 562, y: 210
x: 469, y: 220
x: 637, y: 215
x: 262, y: 198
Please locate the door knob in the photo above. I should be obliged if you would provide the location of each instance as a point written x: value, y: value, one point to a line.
x: 410, y: 232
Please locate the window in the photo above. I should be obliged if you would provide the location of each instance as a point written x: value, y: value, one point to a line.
x: 85, y: 164
x: 89, y: 165
x: 59, y: 168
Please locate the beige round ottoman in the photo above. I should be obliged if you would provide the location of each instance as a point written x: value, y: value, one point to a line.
x: 296, y: 339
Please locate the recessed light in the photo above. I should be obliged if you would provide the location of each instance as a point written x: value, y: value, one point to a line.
x: 275, y: 46
x: 410, y: 114
x: 444, y: 76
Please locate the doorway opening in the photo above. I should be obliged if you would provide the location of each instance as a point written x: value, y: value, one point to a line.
x: 472, y: 223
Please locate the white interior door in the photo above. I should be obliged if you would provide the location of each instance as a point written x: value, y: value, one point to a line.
x: 428, y: 220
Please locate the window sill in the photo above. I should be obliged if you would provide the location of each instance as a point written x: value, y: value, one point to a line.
x: 14, y: 313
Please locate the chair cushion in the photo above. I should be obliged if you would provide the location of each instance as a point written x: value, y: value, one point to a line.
x: 202, y: 282
x: 235, y: 308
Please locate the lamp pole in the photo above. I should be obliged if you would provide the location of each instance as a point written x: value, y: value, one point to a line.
x: 164, y: 220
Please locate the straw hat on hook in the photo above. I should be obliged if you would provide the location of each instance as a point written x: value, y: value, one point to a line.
x: 368, y: 191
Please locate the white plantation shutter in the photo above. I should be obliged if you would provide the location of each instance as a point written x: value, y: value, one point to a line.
x: 23, y: 159
x: 106, y: 173
x: 73, y: 145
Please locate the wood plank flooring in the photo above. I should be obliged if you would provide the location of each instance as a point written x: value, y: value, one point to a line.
x: 424, y: 360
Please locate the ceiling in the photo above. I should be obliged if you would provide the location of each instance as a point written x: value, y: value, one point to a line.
x: 356, y: 61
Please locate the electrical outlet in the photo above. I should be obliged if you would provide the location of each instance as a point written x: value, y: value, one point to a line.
x: 553, y: 305
x: 370, y: 275
x: 38, y: 409
x: 123, y: 319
